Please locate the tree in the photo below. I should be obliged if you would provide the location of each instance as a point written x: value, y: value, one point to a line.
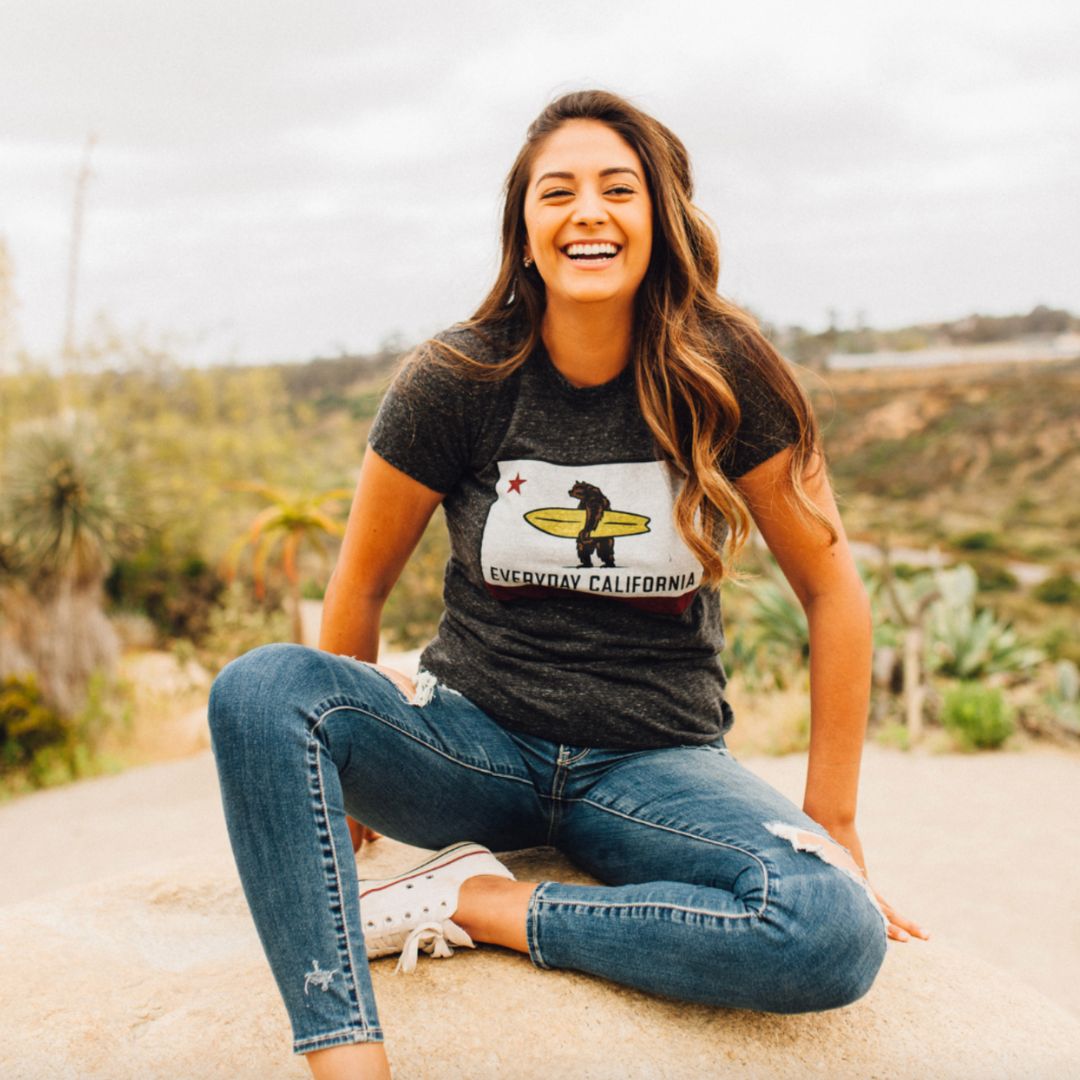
x: 292, y: 519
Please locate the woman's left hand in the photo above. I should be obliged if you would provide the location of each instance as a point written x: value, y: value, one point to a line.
x: 361, y: 834
x: 900, y: 928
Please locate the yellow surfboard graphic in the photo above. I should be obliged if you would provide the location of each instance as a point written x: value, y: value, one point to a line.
x: 567, y: 521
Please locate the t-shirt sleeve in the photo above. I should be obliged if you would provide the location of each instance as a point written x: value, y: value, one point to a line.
x: 423, y: 424
x: 767, y: 426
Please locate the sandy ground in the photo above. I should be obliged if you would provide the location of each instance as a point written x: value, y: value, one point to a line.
x: 982, y: 850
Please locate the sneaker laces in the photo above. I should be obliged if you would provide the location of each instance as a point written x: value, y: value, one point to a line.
x: 435, y: 939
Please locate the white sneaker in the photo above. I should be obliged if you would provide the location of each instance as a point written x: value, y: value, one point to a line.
x: 412, y: 912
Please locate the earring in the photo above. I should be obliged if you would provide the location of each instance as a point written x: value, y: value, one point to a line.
x: 527, y: 261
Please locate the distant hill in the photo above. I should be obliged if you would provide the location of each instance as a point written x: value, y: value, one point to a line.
x: 934, y: 455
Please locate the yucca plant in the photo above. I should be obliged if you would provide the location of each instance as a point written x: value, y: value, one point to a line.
x: 65, y: 514
x: 66, y: 507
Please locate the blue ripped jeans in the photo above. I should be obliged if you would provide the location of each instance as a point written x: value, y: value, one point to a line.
x: 713, y: 892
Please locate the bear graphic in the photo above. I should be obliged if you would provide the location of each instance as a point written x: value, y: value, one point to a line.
x: 594, y: 502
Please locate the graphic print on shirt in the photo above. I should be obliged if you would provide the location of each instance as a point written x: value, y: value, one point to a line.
x: 607, y: 530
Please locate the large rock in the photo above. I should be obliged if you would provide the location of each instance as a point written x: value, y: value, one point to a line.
x: 160, y: 974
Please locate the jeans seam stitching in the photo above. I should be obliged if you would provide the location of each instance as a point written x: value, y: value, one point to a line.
x: 557, y: 788
x: 692, y: 836
x: 423, y: 742
x: 358, y: 1002
x: 657, y: 904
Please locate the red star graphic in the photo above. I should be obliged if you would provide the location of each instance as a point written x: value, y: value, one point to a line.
x: 515, y: 484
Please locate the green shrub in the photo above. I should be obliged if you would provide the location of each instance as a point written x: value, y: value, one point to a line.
x: 905, y: 571
x: 238, y: 625
x: 978, y: 716
x: 313, y: 590
x: 40, y: 747
x: 1059, y: 589
x: 980, y: 540
x: 176, y: 589
x: 994, y: 578
x: 27, y: 725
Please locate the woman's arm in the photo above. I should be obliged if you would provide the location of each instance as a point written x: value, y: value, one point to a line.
x: 389, y: 513
x: 828, y: 586
x: 831, y: 592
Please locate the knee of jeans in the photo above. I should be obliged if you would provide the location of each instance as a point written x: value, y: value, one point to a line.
x: 839, y: 952
x: 242, y: 691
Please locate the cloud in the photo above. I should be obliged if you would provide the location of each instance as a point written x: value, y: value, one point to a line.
x: 311, y: 176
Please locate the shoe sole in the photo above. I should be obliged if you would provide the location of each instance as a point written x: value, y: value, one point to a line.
x: 455, y: 853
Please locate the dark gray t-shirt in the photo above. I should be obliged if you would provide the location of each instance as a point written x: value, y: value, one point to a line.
x: 573, y: 609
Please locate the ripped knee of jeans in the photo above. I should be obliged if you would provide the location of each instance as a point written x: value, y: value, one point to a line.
x: 828, y: 850
x: 425, y: 688
x: 419, y: 692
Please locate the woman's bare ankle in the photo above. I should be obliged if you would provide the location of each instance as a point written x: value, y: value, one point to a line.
x: 495, y: 910
x: 352, y: 1061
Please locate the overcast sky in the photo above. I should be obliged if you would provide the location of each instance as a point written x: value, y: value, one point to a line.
x: 276, y: 180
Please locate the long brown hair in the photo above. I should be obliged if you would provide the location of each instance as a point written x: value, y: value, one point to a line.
x: 682, y: 331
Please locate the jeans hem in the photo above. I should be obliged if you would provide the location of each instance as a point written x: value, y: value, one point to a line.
x: 337, y: 1038
x: 532, y: 927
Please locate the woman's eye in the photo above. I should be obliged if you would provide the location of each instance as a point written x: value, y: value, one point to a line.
x: 621, y: 190
x: 556, y: 193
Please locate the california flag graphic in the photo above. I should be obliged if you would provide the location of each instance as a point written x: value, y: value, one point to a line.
x: 601, y: 529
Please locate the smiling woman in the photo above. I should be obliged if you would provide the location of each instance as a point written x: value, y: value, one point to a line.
x: 589, y: 230
x: 601, y: 434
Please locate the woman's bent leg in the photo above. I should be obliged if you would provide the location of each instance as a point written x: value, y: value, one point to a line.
x: 302, y: 737
x: 708, y: 899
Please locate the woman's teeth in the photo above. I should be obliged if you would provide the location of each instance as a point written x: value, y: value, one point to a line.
x: 591, y: 251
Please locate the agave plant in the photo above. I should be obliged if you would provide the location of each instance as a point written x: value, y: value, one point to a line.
x: 778, y: 615
x: 969, y: 644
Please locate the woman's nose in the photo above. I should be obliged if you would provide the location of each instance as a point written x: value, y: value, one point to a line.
x: 590, y: 209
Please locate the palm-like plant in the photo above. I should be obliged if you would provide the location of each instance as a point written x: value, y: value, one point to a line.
x: 66, y: 505
x: 65, y: 514
x: 290, y: 519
